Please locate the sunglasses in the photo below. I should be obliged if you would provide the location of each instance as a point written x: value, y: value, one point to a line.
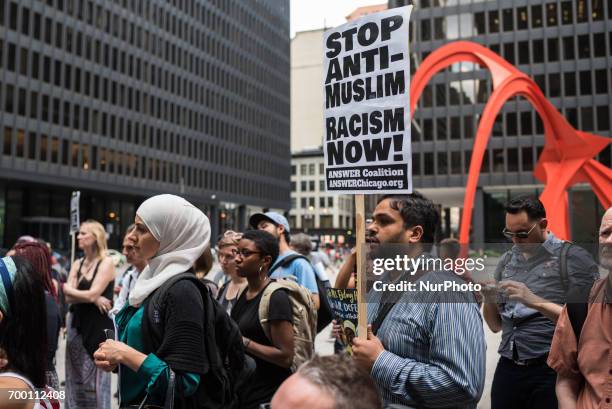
x: 519, y: 234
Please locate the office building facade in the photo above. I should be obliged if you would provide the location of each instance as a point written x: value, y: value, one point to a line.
x: 127, y: 99
x: 565, y: 46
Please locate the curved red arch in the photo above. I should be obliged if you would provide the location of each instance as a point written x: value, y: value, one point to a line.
x: 567, y: 157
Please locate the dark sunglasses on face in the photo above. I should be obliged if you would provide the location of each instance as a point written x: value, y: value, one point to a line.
x: 519, y: 234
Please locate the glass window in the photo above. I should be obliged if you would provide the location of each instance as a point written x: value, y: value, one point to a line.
x: 586, y: 114
x: 498, y: 126
x: 442, y: 163
x: 536, y: 16
x: 322, y: 185
x: 601, y: 81
x: 511, y: 124
x: 554, y: 85
x: 303, y: 186
x: 439, y: 32
x: 454, y: 92
x: 567, y: 16
x: 523, y: 51
x: 428, y: 129
x: 330, y: 201
x: 522, y: 21
x: 8, y: 140
x: 582, y: 12
x: 599, y: 44
x: 603, y: 118
x: 526, y: 124
x: 25, y: 21
x: 293, y: 169
x: 456, y: 163
x: 441, y: 128
x: 513, y: 161
x: 440, y: 95
x: 586, y: 86
x: 508, y: 19
x: 509, y: 52
x: 527, y: 158
x: 486, y: 164
x: 584, y: 46
x: 540, y: 79
x: 468, y: 127
x: 13, y: 16
x: 597, y: 9
x: 569, y: 82
x: 311, y: 185
x: 571, y: 114
x: 9, y: 98
x: 553, y: 49
x: 311, y: 169
x: 416, y: 164
x: 498, y: 160
x: 568, y: 48
x: 455, y: 127
x: 303, y: 169
x: 551, y: 14
x: 428, y: 162
x: 425, y: 30
x: 493, y: 21
x: 479, y: 20
x: 538, y: 51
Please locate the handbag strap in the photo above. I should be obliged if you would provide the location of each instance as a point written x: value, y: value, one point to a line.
x: 169, y: 402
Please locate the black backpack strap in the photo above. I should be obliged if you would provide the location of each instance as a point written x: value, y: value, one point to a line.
x: 578, y: 308
x: 563, y: 273
x: 286, y: 262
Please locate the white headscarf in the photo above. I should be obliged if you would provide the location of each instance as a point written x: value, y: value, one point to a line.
x: 183, y: 232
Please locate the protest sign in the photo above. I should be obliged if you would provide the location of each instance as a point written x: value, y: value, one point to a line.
x: 343, y: 303
x: 74, y: 212
x: 366, y: 105
x: 75, y: 221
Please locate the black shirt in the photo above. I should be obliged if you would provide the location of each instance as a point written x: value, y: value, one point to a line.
x: 268, y: 376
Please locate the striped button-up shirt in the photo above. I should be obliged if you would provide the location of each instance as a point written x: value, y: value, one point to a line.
x: 434, y: 349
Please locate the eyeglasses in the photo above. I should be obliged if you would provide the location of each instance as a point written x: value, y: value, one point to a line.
x: 247, y: 253
x: 519, y: 234
x: 265, y: 406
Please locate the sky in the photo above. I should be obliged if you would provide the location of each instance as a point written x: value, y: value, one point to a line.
x: 314, y: 14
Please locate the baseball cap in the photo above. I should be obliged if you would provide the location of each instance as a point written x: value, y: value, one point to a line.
x: 276, y: 218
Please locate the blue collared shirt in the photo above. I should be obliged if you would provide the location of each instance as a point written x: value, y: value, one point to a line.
x: 527, y: 334
x: 434, y: 349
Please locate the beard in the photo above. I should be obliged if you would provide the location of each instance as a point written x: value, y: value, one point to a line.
x: 605, y: 255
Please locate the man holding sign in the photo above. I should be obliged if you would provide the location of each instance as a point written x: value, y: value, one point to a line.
x: 421, y: 354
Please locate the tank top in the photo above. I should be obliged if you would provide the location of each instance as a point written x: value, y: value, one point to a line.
x: 39, y: 404
x: 87, y: 319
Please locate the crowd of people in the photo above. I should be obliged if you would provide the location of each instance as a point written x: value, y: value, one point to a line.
x: 177, y: 332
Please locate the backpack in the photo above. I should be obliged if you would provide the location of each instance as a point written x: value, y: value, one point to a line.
x: 563, y: 274
x: 325, y: 313
x: 578, y: 308
x: 229, y: 367
x: 304, y: 318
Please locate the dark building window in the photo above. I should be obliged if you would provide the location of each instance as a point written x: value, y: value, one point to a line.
x: 568, y: 48
x: 538, y: 51
x: 601, y: 81
x: 554, y: 85
x: 586, y: 87
x: 425, y: 30
x: 527, y: 158
x: 498, y: 160
x: 479, y: 21
x: 526, y: 123
x: 456, y: 163
x: 513, y: 161
x: 508, y: 19
x: 569, y: 81
x: 567, y: 16
x: 586, y: 114
x: 428, y: 162
x: 603, y: 118
x: 551, y: 14
x: 442, y: 163
x: 599, y: 45
x: 523, y: 50
x: 522, y: 20
x: 553, y: 49
x: 582, y: 12
x: 536, y: 16
x: 416, y: 164
x: 584, y: 46
x: 493, y: 21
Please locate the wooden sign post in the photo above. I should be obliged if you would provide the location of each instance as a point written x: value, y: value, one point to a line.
x: 362, y: 310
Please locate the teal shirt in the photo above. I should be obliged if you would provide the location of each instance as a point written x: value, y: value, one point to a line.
x: 152, y: 376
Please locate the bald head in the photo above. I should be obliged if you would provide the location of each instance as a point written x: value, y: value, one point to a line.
x: 605, y: 240
x: 297, y: 392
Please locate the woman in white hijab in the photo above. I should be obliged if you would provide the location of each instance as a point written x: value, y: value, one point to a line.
x: 171, y: 234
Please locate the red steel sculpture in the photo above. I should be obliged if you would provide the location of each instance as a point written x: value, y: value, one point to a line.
x: 567, y: 157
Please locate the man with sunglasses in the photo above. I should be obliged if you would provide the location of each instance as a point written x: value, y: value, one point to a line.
x: 532, y: 281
